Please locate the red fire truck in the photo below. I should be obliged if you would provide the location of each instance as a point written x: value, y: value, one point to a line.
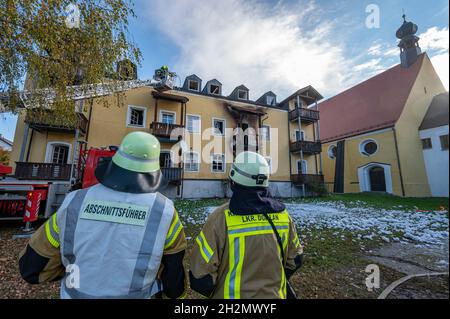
x: 33, y: 199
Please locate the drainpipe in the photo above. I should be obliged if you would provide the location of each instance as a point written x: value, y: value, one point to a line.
x: 318, y: 138
x: 394, y: 132
x: 29, y: 146
x: 299, y: 120
x: 289, y: 150
x: 24, y: 142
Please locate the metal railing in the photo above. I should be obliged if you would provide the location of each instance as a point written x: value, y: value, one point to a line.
x: 172, y: 174
x: 42, y: 171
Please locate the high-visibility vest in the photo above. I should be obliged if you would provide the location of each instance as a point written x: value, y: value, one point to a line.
x: 239, y: 228
x: 112, y: 242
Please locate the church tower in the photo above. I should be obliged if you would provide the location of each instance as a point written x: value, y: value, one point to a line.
x: 409, y: 43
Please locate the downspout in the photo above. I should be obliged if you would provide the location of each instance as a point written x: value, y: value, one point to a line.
x: 29, y: 146
x: 182, y: 154
x: 318, y: 136
x: 289, y: 149
x: 394, y: 132
x: 89, y: 122
x: 24, y: 142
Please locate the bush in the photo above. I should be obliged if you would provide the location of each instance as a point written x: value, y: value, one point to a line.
x: 4, y: 157
x: 317, y: 189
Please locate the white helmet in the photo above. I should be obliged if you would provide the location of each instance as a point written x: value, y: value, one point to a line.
x: 250, y: 169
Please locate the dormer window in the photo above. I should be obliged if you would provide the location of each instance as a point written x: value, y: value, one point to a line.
x: 270, y: 100
x: 214, y: 89
x: 242, y: 95
x: 194, y: 85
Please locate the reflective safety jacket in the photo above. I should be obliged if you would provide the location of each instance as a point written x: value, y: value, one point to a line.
x: 238, y: 256
x: 109, y: 244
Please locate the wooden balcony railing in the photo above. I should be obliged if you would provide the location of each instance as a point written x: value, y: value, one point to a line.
x: 43, y: 171
x: 307, y: 179
x: 306, y: 115
x: 306, y: 146
x: 172, y: 174
x: 165, y: 130
x: 43, y: 120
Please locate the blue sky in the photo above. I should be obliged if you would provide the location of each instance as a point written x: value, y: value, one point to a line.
x: 279, y: 45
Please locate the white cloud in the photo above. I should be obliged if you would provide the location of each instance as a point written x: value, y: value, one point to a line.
x: 248, y: 42
x: 371, y: 65
x: 268, y: 47
x: 435, y: 39
x: 440, y: 63
x: 436, y: 42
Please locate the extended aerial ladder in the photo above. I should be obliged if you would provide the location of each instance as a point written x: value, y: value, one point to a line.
x: 30, y: 199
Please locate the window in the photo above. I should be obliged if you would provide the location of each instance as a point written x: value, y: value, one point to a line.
x: 193, y: 123
x: 60, y: 154
x: 136, y: 116
x: 299, y: 135
x: 270, y: 100
x: 193, y: 85
x: 191, y: 163
x: 426, y: 143
x: 214, y: 89
x: 167, y: 117
x: 265, y: 132
x: 242, y: 95
x: 219, y: 126
x: 218, y: 163
x: 444, y: 142
x: 332, y: 151
x: 302, y: 167
x: 368, y: 147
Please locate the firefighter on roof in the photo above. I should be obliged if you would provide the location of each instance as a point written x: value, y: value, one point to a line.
x: 118, y: 239
x: 249, y: 247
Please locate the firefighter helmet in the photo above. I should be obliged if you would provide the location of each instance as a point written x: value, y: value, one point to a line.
x: 250, y: 169
x: 135, y: 166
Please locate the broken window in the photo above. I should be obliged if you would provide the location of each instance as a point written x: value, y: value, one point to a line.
x: 193, y: 85
x: 219, y: 126
x: 214, y: 89
x: 136, y: 116
x: 242, y: 95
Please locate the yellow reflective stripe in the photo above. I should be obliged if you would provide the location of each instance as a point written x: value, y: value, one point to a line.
x: 232, y: 287
x: 205, y: 249
x: 55, y: 225
x: 174, y: 231
x: 50, y: 237
x: 176, y: 220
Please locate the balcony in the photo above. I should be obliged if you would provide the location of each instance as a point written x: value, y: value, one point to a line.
x: 164, y: 131
x: 306, y: 115
x: 307, y: 147
x: 173, y: 175
x: 43, y: 171
x: 45, y: 121
x: 307, y: 179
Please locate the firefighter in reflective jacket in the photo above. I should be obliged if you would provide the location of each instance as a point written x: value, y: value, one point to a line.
x: 237, y: 254
x: 118, y: 239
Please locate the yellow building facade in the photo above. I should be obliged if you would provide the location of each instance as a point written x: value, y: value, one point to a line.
x: 200, y: 132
